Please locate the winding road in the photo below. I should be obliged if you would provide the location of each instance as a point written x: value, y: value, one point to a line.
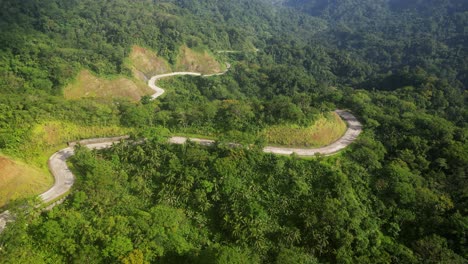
x: 64, y: 178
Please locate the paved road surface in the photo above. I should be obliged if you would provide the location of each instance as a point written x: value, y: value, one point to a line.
x: 353, y: 131
x: 64, y: 179
x: 160, y: 91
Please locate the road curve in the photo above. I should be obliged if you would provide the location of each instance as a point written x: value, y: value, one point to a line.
x: 351, y: 134
x: 64, y: 178
x: 160, y: 91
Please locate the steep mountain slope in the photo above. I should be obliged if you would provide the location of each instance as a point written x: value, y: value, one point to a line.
x: 397, y: 195
x: 45, y: 43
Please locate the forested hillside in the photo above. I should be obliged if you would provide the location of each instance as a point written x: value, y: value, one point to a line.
x: 389, y: 35
x: 399, y: 194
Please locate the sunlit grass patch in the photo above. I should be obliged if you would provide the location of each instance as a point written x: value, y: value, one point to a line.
x: 31, y: 177
x: 87, y: 85
x: 20, y: 180
x: 327, y: 129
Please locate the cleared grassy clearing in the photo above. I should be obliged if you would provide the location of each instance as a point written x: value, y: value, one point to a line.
x: 143, y: 64
x: 88, y: 85
x: 20, y: 180
x: 327, y: 129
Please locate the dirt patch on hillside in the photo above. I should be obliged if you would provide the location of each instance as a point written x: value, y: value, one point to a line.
x: 5, y: 165
x: 145, y: 63
x: 88, y: 85
x: 197, y: 61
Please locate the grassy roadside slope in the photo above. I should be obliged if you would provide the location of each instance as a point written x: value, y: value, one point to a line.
x: 48, y: 137
x: 21, y: 180
x: 327, y: 129
x: 87, y: 85
x: 143, y: 63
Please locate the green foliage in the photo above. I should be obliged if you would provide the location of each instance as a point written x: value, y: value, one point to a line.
x: 398, y: 195
x: 242, y: 101
x: 293, y: 256
x: 386, y: 35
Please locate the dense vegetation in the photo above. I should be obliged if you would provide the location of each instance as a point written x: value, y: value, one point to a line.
x: 376, y: 39
x: 398, y: 195
x: 245, y: 101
